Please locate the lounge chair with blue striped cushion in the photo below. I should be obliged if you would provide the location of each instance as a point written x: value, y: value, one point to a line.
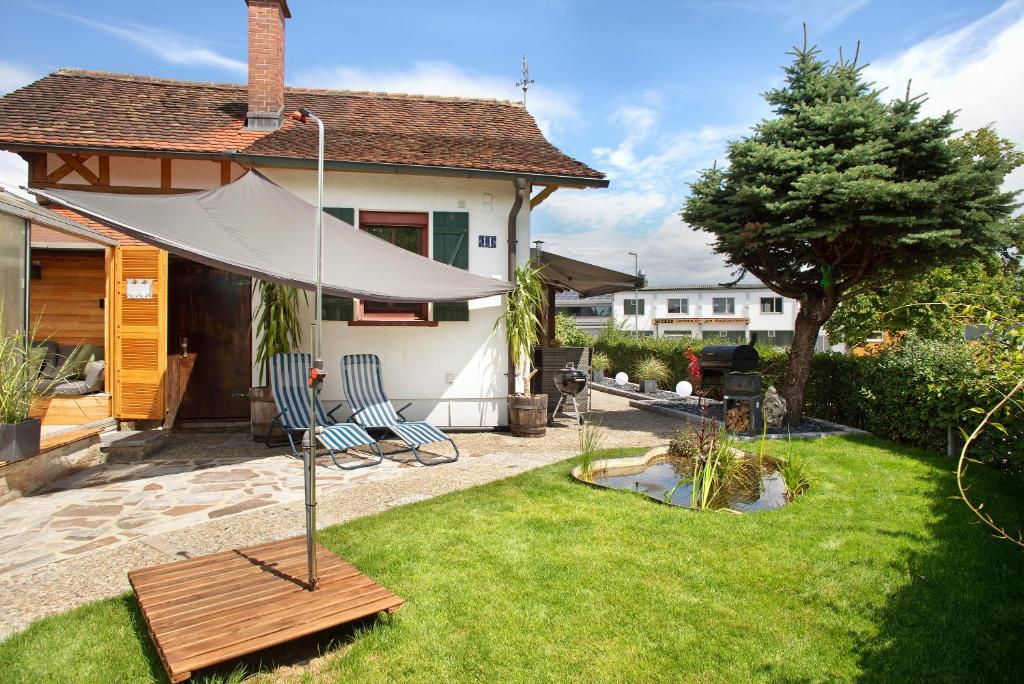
x: 289, y: 375
x: 371, y: 408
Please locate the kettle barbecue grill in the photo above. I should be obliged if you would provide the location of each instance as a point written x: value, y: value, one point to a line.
x: 569, y: 382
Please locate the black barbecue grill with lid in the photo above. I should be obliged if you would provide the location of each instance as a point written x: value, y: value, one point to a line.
x: 734, y: 366
x: 569, y: 381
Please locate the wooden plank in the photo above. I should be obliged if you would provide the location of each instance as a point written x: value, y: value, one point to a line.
x: 542, y: 195
x: 228, y: 620
x: 77, y: 163
x: 58, y: 439
x: 71, y: 410
x: 183, y: 567
x: 165, y: 173
x: 104, y: 178
x: 119, y: 189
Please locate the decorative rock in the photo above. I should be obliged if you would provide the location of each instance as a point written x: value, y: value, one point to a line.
x: 774, y: 408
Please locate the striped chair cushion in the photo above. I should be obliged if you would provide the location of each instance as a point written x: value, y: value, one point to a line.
x: 342, y: 436
x: 289, y: 374
x: 418, y: 433
x: 364, y: 389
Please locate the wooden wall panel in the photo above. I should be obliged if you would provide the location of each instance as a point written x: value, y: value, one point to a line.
x: 65, y: 302
x: 140, y: 334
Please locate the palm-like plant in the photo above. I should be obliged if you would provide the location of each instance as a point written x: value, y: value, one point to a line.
x: 277, y: 324
x: 522, y: 321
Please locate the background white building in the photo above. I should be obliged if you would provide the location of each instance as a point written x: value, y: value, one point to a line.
x: 701, y: 311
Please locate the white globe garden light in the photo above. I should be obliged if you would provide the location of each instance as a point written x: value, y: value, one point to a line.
x: 621, y: 378
x: 684, y: 388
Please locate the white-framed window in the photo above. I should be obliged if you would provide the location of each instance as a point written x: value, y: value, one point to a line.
x: 723, y: 305
x: 630, y: 306
x: 678, y: 333
x: 678, y: 306
x: 771, y: 305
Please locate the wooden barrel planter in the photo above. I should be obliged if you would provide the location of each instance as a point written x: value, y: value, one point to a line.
x: 261, y: 412
x: 528, y: 416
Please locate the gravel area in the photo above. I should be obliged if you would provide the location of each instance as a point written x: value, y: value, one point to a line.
x: 664, y: 401
x: 487, y: 456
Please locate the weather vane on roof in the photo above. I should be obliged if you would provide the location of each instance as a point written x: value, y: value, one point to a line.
x: 527, y: 81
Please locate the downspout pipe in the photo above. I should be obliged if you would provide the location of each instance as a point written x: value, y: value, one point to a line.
x: 513, y: 223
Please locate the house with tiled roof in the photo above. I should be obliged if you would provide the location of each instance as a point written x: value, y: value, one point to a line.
x: 454, y: 179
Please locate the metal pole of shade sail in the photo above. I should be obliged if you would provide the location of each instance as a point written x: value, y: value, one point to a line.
x: 309, y: 465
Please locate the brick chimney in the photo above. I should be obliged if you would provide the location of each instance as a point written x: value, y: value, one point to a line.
x: 266, y: 63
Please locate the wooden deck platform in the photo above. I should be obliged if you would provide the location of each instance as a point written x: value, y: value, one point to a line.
x: 207, y: 610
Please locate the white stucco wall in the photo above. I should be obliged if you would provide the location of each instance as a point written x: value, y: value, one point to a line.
x: 747, y: 306
x: 453, y: 373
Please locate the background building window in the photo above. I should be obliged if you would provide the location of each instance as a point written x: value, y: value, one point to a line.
x: 723, y: 305
x: 679, y: 306
x: 629, y: 307
x: 771, y: 305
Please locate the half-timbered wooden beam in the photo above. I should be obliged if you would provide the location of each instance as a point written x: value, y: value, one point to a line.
x: 542, y: 195
x: 225, y: 172
x: 104, y: 170
x: 77, y: 163
x: 165, y: 173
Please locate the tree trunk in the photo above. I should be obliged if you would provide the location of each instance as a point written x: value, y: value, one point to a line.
x: 813, y: 314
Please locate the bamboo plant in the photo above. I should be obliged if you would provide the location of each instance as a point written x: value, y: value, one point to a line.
x: 522, y: 321
x: 277, y: 324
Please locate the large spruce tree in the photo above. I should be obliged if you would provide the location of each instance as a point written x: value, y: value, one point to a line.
x: 841, y: 191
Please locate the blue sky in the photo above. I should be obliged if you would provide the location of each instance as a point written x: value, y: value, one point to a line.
x: 648, y: 92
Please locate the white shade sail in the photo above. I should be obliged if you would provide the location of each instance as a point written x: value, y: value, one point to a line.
x: 257, y: 228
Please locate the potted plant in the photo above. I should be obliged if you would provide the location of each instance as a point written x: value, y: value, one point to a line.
x: 650, y: 371
x: 277, y: 332
x: 20, y: 385
x: 527, y: 412
x: 600, y: 364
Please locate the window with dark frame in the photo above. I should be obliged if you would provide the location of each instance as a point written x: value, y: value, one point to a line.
x: 678, y: 306
x: 723, y: 305
x: 771, y: 305
x: 629, y: 307
x: 404, y: 229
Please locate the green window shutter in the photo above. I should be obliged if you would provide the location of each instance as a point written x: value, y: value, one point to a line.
x: 339, y: 308
x: 346, y: 214
x: 451, y: 246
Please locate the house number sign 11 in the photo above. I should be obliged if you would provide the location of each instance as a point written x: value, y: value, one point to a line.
x: 140, y: 288
x: 490, y: 241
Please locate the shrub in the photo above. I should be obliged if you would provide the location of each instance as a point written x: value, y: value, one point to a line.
x: 570, y: 334
x: 653, y: 368
x: 601, y: 362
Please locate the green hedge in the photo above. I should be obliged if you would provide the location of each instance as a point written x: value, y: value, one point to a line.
x: 910, y: 393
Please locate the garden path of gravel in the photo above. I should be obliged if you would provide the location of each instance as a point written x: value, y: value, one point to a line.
x: 209, y: 493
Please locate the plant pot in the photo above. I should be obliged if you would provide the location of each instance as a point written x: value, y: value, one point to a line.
x: 19, y: 440
x: 598, y: 375
x: 528, y: 416
x: 261, y: 412
x: 648, y: 386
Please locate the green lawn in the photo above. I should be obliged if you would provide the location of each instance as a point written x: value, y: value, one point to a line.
x: 874, y: 574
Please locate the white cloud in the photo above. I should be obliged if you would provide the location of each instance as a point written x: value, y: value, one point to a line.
x: 14, y: 76
x: 553, y: 109
x: 649, y: 170
x: 673, y: 253
x: 174, y: 48
x: 821, y: 15
x: 975, y: 70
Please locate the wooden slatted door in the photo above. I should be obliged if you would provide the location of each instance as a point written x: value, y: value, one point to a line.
x: 140, y: 332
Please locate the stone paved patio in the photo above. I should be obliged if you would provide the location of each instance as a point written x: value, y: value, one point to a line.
x: 208, y: 493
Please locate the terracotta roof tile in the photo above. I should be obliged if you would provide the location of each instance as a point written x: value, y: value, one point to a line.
x: 118, y: 111
x: 101, y: 228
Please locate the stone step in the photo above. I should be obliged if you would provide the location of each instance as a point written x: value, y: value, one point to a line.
x: 131, y: 446
x: 212, y: 426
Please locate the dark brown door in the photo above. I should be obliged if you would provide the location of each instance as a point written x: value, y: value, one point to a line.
x: 209, y: 317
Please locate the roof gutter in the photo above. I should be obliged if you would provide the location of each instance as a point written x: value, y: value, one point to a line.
x: 417, y: 169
